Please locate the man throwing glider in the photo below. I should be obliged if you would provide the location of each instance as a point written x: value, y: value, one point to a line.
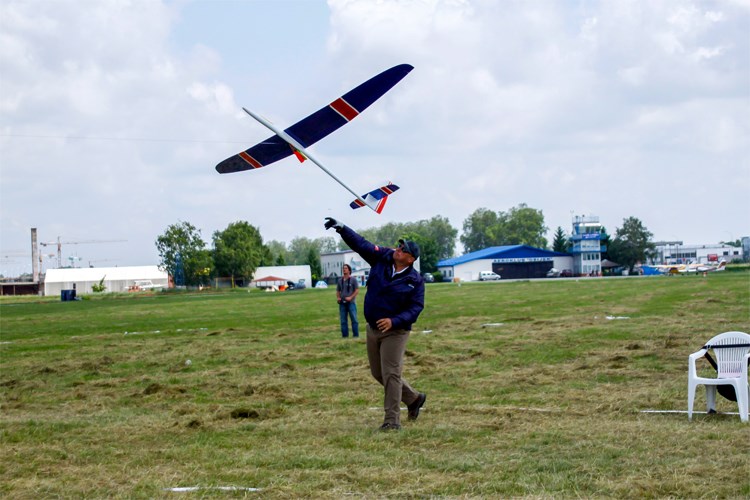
x: 394, y: 299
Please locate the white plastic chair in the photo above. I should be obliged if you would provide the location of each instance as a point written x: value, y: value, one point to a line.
x: 732, y: 351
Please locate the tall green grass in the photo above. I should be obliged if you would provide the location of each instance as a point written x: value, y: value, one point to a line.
x: 532, y: 391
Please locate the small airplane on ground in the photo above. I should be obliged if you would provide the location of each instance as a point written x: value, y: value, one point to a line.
x: 306, y: 132
x: 685, y: 268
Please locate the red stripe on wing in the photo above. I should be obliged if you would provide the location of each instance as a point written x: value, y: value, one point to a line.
x: 252, y: 161
x: 344, y: 109
x: 381, y: 205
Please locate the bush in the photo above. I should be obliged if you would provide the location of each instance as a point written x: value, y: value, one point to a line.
x: 100, y: 287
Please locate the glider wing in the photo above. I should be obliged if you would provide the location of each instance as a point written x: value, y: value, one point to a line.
x: 318, y: 125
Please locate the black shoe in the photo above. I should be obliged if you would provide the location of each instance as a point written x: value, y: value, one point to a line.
x: 389, y: 427
x: 416, y: 406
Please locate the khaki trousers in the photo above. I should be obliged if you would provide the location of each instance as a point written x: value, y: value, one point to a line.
x: 385, y: 352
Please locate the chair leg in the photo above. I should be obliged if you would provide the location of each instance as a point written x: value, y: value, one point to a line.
x: 691, y: 399
x: 710, y: 398
x: 743, y: 398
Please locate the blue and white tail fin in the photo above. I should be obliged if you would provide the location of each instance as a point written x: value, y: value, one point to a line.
x: 376, y: 198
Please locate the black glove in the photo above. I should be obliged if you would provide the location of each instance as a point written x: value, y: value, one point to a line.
x: 333, y: 223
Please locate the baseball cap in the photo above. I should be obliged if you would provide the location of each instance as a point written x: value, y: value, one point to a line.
x: 410, y: 247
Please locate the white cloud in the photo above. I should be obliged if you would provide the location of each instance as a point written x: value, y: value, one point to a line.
x: 113, y: 125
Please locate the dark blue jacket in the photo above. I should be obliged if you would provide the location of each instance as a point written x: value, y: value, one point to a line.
x: 400, y: 299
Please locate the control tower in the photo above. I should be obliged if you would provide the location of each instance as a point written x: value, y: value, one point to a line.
x: 587, y: 245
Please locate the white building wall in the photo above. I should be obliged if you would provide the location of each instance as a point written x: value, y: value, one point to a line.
x: 468, y: 271
x: 677, y: 253
x: 562, y: 263
x: 116, y: 279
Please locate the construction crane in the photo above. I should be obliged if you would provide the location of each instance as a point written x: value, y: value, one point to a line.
x: 60, y: 243
x: 91, y: 262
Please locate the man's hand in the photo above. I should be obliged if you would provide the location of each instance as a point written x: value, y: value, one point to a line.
x: 384, y: 324
x: 333, y: 223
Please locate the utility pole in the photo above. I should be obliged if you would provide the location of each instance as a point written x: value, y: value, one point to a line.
x: 35, y: 258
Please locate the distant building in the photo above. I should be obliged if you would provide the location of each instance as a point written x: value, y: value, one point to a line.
x: 510, y: 262
x: 676, y: 252
x: 115, y: 279
x: 285, y: 273
x: 587, y: 247
x: 333, y: 262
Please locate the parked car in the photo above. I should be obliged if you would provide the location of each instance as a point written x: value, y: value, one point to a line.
x: 488, y: 276
x: 428, y: 278
x: 291, y: 285
x: 144, y: 285
x: 566, y: 273
x: 553, y: 273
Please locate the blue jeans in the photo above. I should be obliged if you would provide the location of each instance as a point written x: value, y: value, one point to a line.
x: 348, y: 308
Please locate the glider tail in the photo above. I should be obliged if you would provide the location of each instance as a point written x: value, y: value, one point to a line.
x: 376, y: 198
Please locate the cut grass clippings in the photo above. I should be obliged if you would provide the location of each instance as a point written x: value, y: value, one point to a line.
x: 255, y: 394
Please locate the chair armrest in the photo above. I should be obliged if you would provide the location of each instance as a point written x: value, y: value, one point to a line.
x: 691, y: 361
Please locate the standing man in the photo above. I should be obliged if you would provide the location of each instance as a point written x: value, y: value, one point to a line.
x: 394, y: 299
x: 347, y: 290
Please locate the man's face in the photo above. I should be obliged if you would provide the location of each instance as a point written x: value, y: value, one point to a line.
x: 402, y: 257
x: 345, y: 271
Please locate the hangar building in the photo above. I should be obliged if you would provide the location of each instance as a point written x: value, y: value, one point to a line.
x: 116, y: 279
x: 510, y: 262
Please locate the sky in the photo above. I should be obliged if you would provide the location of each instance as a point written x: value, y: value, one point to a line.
x: 114, y: 114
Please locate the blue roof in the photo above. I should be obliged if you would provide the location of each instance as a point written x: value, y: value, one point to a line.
x: 503, y: 252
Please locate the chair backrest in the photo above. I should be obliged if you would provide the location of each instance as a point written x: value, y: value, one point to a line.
x: 729, y: 360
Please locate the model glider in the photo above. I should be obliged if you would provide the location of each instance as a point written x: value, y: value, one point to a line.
x: 306, y: 132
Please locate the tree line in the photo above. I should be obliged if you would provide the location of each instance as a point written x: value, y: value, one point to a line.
x: 239, y: 249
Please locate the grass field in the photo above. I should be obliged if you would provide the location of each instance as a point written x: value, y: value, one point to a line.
x: 98, y: 399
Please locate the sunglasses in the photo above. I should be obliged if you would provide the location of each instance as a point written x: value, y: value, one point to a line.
x: 404, y: 249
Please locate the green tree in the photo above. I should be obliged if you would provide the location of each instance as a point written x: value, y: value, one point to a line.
x: 201, y: 266
x: 560, y: 241
x: 313, y: 260
x: 479, y: 230
x: 439, y: 230
x: 238, y: 250
x: 428, y: 250
x: 521, y: 225
x: 436, y: 238
x: 276, y: 254
x: 299, y: 250
x: 605, y: 242
x: 631, y: 244
x: 182, y: 251
x: 327, y: 244
x: 386, y: 235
